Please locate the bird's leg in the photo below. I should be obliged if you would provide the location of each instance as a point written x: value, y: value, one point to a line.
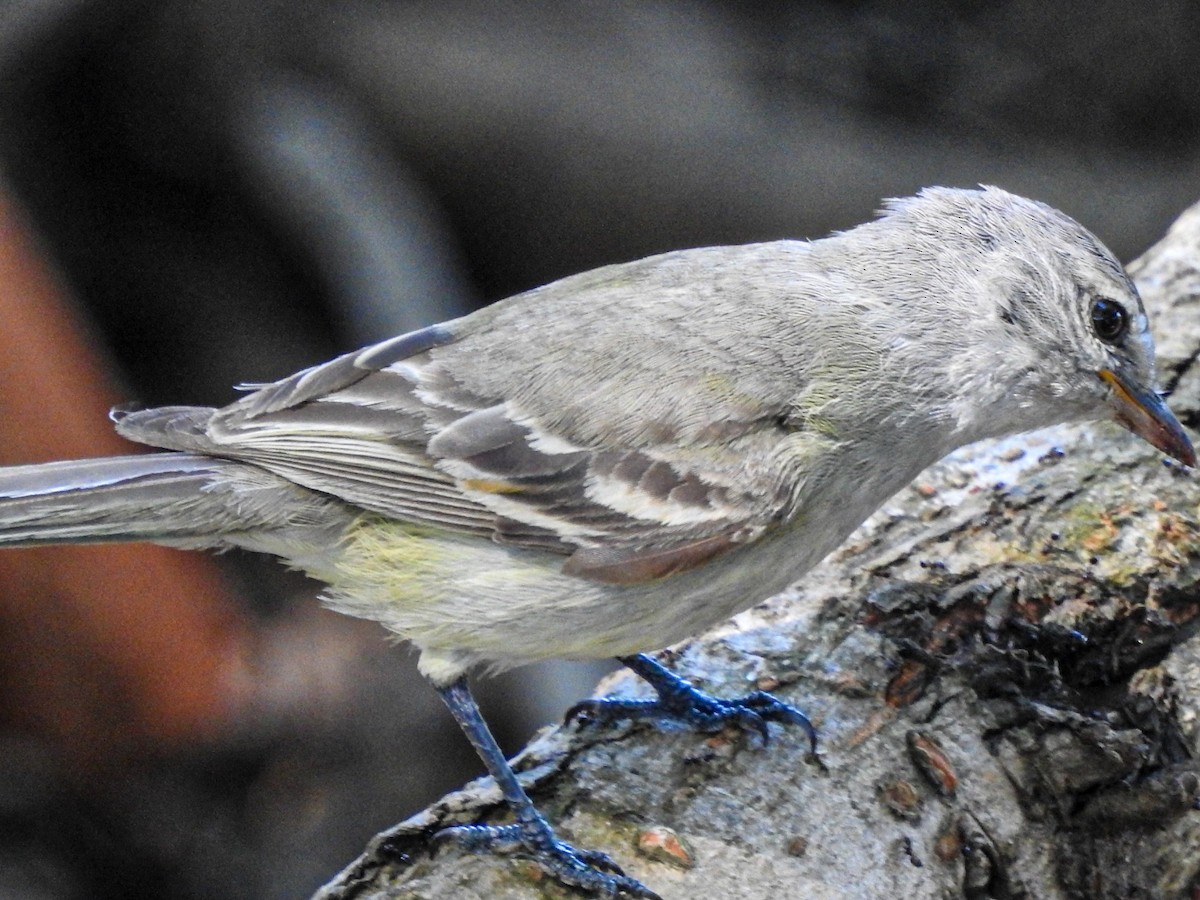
x: 678, y: 700
x: 531, y: 835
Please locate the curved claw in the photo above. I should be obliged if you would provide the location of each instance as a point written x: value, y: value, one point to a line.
x: 771, y: 707
x: 744, y: 718
x: 598, y: 859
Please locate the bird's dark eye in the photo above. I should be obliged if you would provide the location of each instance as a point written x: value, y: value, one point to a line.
x: 1110, y: 320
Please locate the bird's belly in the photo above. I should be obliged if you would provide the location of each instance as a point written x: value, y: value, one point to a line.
x: 478, y: 602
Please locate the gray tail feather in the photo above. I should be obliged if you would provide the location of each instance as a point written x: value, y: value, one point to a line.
x: 169, y: 497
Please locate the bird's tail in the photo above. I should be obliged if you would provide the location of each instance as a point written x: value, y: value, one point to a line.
x: 173, y: 498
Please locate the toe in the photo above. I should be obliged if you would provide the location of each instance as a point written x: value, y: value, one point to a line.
x: 599, y: 860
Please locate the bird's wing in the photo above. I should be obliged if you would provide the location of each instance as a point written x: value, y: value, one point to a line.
x: 393, y: 430
x: 624, y: 515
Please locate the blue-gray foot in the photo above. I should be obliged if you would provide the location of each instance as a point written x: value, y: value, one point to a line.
x: 681, y: 702
x: 531, y: 835
x: 533, y: 838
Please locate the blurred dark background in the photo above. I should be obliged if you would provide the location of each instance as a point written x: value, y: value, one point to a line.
x: 196, y: 194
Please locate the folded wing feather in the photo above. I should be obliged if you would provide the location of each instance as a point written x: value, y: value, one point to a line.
x: 371, y: 429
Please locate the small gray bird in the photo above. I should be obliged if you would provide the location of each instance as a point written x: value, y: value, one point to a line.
x: 616, y: 461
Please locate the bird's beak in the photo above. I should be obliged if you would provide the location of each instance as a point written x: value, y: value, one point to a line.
x: 1145, y: 414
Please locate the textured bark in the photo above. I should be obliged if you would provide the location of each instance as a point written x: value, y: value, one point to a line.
x: 1002, y: 667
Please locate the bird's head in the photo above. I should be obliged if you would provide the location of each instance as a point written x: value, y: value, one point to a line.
x: 1056, y: 328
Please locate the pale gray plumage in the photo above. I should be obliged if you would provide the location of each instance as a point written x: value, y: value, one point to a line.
x: 620, y: 459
